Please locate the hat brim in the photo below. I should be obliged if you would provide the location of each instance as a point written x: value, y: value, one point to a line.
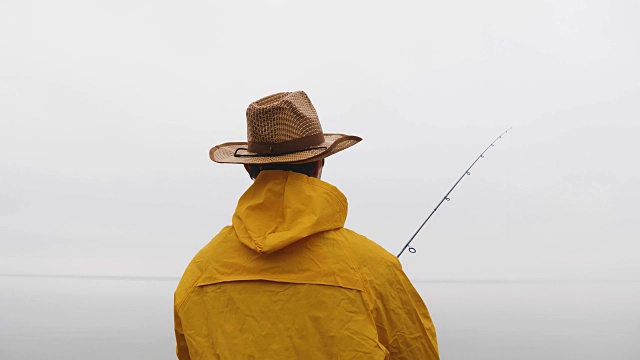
x: 236, y: 153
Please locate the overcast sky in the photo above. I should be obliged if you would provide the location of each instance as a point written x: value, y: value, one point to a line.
x: 108, y: 110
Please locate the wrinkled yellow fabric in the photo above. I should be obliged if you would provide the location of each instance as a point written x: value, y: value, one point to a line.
x: 287, y: 281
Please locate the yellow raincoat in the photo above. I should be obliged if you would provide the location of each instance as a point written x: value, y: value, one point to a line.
x: 287, y: 281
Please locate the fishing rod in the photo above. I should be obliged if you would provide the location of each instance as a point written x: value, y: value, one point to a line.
x: 446, y: 197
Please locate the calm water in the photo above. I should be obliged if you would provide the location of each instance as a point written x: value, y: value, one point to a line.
x: 67, y: 318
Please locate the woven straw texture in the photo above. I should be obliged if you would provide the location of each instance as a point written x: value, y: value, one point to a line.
x: 280, y: 119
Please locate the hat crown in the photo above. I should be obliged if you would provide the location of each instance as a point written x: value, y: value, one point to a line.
x: 282, y: 117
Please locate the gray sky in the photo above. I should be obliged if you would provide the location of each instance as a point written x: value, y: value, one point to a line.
x: 108, y: 110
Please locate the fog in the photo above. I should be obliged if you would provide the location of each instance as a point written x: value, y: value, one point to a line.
x: 108, y: 110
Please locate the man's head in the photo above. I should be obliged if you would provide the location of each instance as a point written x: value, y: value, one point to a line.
x: 312, y: 169
x: 283, y: 130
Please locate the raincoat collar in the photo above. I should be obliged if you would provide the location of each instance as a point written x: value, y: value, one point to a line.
x: 282, y: 207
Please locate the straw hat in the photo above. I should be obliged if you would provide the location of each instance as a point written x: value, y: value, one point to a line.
x: 282, y: 128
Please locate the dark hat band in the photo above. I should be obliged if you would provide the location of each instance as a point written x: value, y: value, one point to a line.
x: 284, y: 147
x: 235, y: 153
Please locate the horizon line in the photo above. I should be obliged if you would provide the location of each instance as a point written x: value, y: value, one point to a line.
x: 177, y: 278
x: 101, y: 277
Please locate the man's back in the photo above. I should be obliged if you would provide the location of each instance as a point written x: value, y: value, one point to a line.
x: 287, y: 281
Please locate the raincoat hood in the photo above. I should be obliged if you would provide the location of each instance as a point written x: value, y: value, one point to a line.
x: 282, y: 207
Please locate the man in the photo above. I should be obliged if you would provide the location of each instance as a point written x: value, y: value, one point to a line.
x: 286, y: 280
